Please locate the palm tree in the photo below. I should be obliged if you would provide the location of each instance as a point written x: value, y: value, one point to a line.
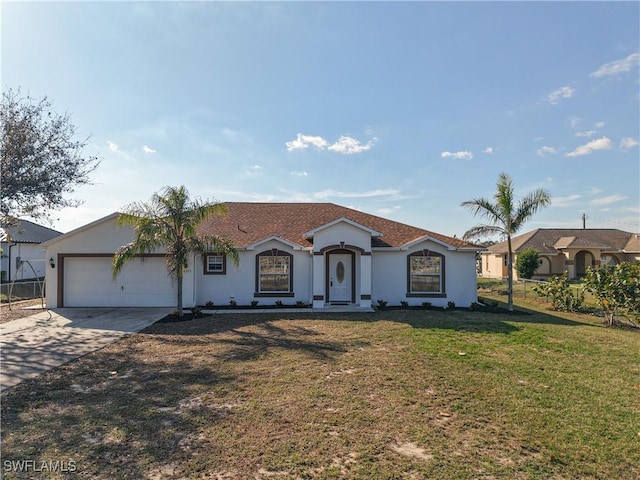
x: 505, y: 218
x: 170, y: 220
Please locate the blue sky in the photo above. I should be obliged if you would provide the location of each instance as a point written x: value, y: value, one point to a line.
x: 402, y: 110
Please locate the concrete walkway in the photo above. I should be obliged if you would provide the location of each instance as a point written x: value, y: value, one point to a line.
x: 32, y: 345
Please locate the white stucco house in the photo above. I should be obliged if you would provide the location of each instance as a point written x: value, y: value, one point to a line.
x: 317, y: 253
x: 22, y: 257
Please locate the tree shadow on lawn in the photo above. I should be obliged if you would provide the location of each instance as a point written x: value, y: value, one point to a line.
x: 500, y: 321
x: 108, y: 413
x: 137, y: 406
x: 249, y: 336
x: 257, y: 332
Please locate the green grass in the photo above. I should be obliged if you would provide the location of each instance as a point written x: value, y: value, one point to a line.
x: 396, y: 394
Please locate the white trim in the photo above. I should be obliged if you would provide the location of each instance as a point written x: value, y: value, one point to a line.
x: 448, y: 246
x: 311, y: 233
x: 294, y: 246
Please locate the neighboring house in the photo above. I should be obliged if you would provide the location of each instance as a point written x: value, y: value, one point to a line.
x: 317, y: 253
x: 564, y: 249
x: 19, y: 242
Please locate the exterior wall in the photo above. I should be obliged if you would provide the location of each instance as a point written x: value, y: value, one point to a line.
x: 239, y: 282
x: 389, y: 277
x: 23, y: 251
x: 492, y: 265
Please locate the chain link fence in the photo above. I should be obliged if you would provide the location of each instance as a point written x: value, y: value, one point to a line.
x: 22, y: 290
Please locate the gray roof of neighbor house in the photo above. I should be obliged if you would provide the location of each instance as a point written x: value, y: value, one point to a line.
x: 549, y: 241
x: 248, y: 223
x: 24, y: 231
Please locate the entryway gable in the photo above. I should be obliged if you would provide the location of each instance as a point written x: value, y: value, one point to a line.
x: 343, y: 234
x: 274, y: 239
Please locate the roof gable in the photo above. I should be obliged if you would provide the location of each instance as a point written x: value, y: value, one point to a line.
x: 311, y: 233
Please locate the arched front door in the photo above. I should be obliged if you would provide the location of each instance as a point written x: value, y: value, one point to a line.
x: 584, y: 259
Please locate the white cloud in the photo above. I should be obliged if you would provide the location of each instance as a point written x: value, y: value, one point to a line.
x: 112, y: 146
x: 563, y: 92
x: 599, y: 124
x: 628, y: 142
x: 565, y: 201
x: 618, y: 66
x: 349, y: 145
x: 600, y: 144
x: 299, y: 174
x: 371, y: 193
x: 146, y: 149
x: 575, y: 122
x: 488, y: 150
x: 463, y: 155
x: 608, y: 200
x: 388, y: 211
x: 256, y: 167
x: 541, y: 152
x: 588, y: 133
x: 345, y: 144
x: 304, y: 141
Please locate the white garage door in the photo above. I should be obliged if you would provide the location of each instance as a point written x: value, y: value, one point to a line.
x: 88, y: 282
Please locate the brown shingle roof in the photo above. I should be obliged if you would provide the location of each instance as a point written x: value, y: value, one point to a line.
x: 248, y: 223
x: 549, y: 240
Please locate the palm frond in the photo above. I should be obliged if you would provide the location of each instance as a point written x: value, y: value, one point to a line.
x: 482, y: 231
x: 483, y: 208
x: 529, y: 205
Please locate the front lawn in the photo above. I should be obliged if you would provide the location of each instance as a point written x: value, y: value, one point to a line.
x: 395, y: 394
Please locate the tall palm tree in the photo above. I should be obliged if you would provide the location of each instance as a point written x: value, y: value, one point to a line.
x: 505, y: 217
x: 170, y: 220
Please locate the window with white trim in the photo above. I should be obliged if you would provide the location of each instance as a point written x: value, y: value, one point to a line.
x: 215, y: 264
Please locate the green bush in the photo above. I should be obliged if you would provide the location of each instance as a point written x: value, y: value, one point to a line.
x: 527, y: 262
x: 617, y: 290
x: 559, y: 291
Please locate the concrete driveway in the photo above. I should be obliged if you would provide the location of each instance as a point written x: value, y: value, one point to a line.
x: 35, y: 344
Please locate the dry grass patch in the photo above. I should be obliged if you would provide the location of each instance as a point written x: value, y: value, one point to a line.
x: 384, y: 395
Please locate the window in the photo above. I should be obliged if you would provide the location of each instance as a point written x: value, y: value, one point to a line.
x: 425, y: 274
x: 215, y: 264
x: 274, y: 273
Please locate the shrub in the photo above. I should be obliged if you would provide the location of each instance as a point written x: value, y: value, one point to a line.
x: 279, y: 303
x: 451, y: 304
x: 196, y: 311
x: 254, y: 303
x: 404, y: 304
x: 382, y: 303
x: 617, y: 290
x: 527, y: 262
x: 426, y: 305
x: 209, y: 304
x: 559, y: 291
